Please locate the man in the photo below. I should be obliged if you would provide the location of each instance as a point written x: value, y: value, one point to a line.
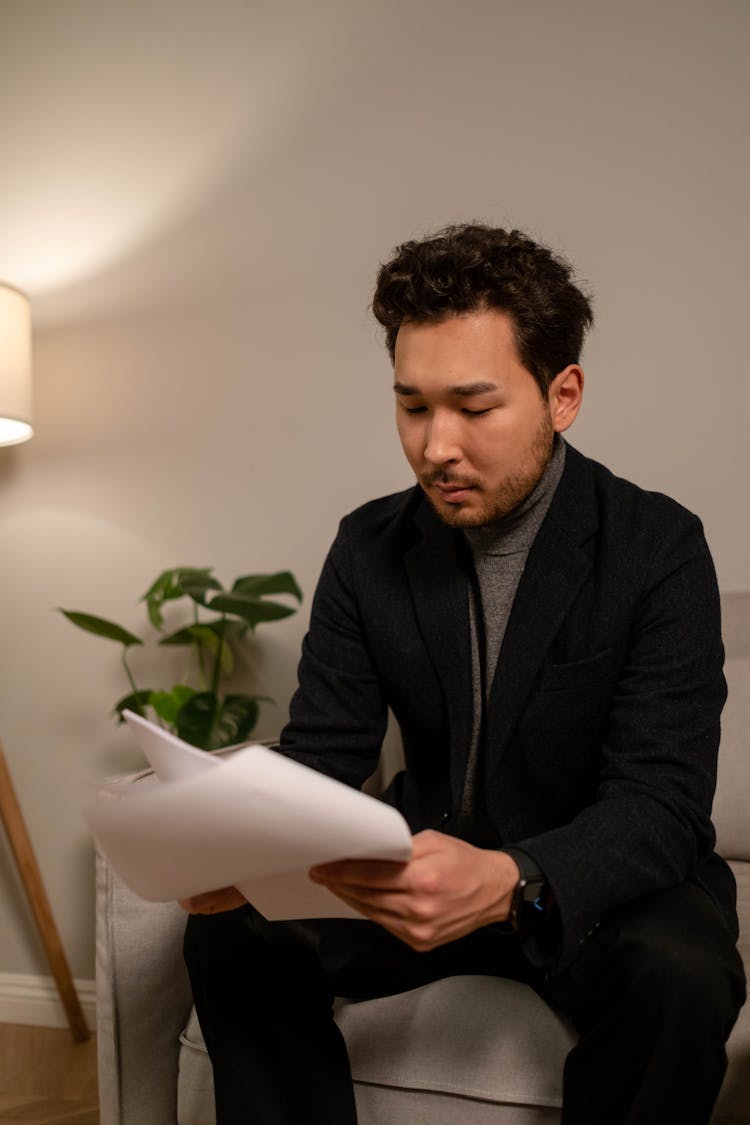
x: 548, y: 638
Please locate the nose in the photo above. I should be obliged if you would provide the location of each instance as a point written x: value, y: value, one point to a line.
x: 442, y: 445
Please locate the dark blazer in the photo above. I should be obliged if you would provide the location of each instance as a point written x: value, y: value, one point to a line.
x: 602, y: 726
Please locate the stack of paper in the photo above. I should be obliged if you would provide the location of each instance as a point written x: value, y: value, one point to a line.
x: 256, y: 820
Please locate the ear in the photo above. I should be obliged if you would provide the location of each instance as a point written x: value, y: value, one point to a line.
x: 565, y: 397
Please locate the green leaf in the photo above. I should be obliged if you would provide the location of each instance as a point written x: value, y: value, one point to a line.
x: 177, y: 582
x: 198, y: 586
x: 211, y: 641
x: 137, y: 701
x: 207, y: 636
x: 168, y: 703
x: 182, y: 637
x: 221, y: 627
x: 207, y: 722
x: 251, y: 609
x: 101, y: 628
x: 258, y: 585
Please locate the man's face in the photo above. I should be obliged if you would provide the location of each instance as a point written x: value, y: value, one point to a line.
x: 472, y: 421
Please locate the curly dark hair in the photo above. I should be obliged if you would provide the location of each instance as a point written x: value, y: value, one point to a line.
x: 464, y: 268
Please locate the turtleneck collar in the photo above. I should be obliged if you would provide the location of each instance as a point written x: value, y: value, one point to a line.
x: 516, y: 531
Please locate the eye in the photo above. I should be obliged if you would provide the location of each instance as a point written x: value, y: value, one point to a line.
x: 413, y: 409
x: 476, y: 413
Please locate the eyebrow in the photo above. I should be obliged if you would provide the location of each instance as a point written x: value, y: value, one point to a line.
x: 466, y: 390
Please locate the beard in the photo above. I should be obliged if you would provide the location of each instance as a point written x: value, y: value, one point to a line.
x: 506, y: 496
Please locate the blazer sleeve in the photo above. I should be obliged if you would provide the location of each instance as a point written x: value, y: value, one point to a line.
x: 649, y: 825
x: 338, y: 714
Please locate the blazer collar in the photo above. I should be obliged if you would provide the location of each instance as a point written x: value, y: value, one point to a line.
x: 557, y: 567
x: 438, y: 569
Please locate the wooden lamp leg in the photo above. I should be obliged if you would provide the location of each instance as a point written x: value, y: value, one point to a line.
x: 31, y: 877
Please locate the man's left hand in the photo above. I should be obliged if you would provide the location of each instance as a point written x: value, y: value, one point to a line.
x: 446, y: 890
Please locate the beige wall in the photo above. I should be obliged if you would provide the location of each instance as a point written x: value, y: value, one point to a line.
x: 196, y: 197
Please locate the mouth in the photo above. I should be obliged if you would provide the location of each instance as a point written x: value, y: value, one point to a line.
x: 454, y: 493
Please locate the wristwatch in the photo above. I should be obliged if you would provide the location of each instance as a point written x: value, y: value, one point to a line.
x: 529, y: 894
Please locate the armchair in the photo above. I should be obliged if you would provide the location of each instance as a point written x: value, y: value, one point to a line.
x: 470, y: 1049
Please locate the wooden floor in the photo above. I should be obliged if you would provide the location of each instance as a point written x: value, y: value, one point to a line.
x: 46, y: 1078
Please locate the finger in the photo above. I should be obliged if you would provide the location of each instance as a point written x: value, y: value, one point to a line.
x: 413, y: 932
x: 375, y: 907
x: 367, y: 872
x: 395, y: 905
x: 429, y: 841
x: 214, y: 902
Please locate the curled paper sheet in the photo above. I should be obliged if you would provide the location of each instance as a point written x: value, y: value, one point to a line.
x: 256, y: 820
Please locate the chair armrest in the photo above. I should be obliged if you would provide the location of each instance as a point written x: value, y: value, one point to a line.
x: 143, y: 1000
x: 143, y: 997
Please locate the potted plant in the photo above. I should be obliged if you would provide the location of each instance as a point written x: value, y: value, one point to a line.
x: 200, y: 714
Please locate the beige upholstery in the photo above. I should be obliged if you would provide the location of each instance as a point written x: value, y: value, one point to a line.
x: 470, y: 1049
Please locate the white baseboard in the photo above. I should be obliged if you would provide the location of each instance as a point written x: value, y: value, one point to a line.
x: 34, y: 1000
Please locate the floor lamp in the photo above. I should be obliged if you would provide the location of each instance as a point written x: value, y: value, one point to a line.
x: 15, y: 427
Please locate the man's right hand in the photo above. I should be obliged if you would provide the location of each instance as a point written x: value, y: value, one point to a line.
x: 214, y: 902
x: 448, y: 889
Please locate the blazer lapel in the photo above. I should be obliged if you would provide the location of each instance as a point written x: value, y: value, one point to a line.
x: 439, y: 581
x: 557, y: 566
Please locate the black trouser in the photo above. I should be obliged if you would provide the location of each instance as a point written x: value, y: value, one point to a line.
x: 653, y: 995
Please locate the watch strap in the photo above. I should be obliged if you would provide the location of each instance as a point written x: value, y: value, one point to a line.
x: 530, y: 894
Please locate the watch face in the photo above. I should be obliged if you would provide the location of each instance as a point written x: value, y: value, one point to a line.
x: 526, y: 904
x: 531, y: 888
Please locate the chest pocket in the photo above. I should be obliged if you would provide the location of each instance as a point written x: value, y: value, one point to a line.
x: 578, y: 676
x: 558, y: 739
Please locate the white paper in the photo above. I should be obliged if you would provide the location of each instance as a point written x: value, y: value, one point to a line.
x: 257, y: 821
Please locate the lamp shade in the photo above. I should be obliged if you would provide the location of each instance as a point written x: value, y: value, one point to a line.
x: 15, y: 366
